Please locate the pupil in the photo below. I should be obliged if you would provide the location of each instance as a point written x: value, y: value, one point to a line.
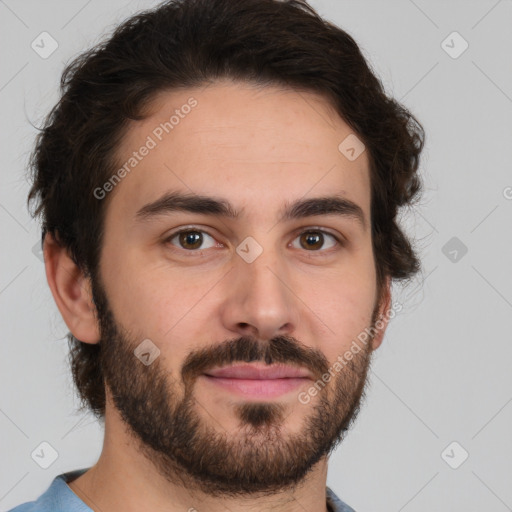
x: 312, y: 239
x: 191, y: 238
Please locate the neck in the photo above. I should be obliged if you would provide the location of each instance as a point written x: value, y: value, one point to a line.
x: 125, y: 480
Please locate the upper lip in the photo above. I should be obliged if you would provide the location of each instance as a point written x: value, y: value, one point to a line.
x: 259, y: 372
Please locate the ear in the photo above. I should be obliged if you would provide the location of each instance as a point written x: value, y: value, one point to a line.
x: 382, y: 320
x: 71, y: 291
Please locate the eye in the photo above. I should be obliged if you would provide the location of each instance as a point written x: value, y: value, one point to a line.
x: 191, y: 239
x: 314, y: 239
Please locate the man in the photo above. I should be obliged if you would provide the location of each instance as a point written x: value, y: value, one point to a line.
x: 219, y: 186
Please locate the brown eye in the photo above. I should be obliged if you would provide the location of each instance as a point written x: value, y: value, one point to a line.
x: 191, y: 239
x: 314, y: 240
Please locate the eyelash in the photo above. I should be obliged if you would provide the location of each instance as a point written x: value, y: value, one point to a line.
x: 192, y: 229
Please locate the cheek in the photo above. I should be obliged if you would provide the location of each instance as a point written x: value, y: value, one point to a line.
x: 166, y: 305
x: 142, y: 305
x: 344, y: 305
x: 161, y: 311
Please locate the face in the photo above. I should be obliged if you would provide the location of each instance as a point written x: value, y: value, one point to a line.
x: 243, y: 277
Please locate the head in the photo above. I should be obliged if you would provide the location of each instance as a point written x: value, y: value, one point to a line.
x: 232, y: 107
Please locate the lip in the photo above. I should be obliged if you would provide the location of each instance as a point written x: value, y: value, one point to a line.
x: 258, y: 381
x: 259, y: 372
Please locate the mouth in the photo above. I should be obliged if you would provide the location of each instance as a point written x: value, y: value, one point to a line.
x: 257, y: 380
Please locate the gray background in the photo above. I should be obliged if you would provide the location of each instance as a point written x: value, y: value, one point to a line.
x: 443, y: 373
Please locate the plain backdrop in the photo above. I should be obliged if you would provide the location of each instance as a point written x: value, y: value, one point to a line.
x: 434, y: 432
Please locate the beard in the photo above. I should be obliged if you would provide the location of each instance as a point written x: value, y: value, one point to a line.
x: 162, y: 413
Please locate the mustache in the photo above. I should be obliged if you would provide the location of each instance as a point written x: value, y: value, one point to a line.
x: 247, y: 349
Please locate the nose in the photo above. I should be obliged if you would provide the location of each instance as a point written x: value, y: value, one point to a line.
x: 259, y: 298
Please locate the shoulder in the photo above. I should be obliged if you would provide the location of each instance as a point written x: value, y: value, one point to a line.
x: 336, y: 504
x: 57, y: 498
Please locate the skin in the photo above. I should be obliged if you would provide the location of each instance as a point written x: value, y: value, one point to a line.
x: 263, y: 147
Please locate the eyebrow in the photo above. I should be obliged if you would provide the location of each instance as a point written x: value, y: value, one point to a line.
x: 216, y: 207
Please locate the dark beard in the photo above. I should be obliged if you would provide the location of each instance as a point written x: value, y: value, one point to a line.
x: 256, y: 459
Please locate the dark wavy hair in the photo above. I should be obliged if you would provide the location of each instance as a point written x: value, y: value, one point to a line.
x: 190, y: 43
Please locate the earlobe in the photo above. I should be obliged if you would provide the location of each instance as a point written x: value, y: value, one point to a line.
x: 71, y: 290
x: 383, y: 319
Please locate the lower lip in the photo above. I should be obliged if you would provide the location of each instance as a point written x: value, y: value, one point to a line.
x: 258, y: 388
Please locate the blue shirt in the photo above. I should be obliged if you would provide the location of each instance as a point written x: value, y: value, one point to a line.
x: 60, y: 498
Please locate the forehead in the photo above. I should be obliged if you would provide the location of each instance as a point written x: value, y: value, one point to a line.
x: 256, y: 146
